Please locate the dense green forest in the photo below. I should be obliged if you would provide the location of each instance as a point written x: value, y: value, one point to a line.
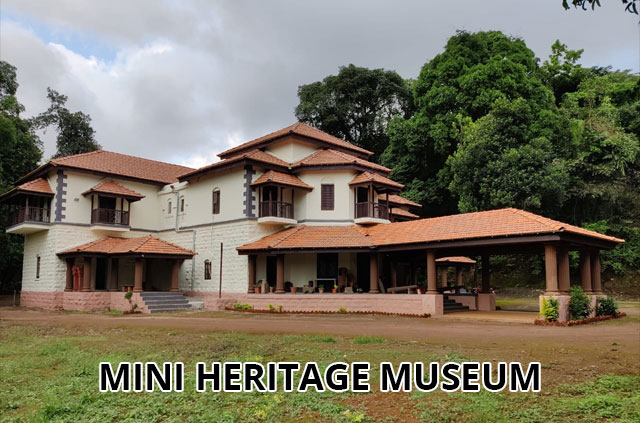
x: 487, y: 124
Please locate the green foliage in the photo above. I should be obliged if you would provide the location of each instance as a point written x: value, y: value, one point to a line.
x: 630, y: 6
x: 579, y: 303
x: 239, y: 306
x: 362, y: 340
x: 271, y: 307
x: 357, y: 105
x: 342, y: 310
x: 606, y: 306
x: 128, y: 295
x: 550, y: 309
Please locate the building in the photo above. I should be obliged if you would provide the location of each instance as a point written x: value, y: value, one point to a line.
x: 297, y: 208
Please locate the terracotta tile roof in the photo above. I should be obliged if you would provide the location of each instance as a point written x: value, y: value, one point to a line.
x: 402, y: 212
x: 280, y: 178
x: 253, y: 155
x: 135, y: 246
x: 397, y: 199
x: 119, y: 165
x: 297, y: 128
x: 456, y: 260
x: 107, y: 187
x: 329, y: 157
x: 35, y: 186
x: 488, y: 224
x: 366, y: 177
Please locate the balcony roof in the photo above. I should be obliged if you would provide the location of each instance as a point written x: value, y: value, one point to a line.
x: 38, y: 186
x: 114, y: 190
x: 279, y: 178
x: 140, y: 247
x: 368, y: 178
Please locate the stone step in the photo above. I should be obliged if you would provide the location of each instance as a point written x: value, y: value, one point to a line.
x: 166, y: 301
x: 168, y: 307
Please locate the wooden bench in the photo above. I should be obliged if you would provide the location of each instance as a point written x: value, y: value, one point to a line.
x: 411, y: 289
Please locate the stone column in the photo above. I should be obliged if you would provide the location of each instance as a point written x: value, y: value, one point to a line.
x: 458, y: 276
x: 252, y: 273
x: 280, y: 274
x: 113, y: 281
x: 596, y: 282
x: 551, y: 269
x: 86, y: 276
x: 564, y: 279
x: 68, y: 287
x: 443, y: 276
x: 373, y: 273
x: 175, y: 273
x: 394, y: 273
x: 137, y: 281
x: 431, y: 273
x: 585, y: 271
x: 486, y: 274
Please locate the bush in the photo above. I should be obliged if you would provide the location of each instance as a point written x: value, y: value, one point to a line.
x: 128, y: 295
x: 606, y: 307
x: 579, y: 303
x: 239, y: 306
x: 550, y: 309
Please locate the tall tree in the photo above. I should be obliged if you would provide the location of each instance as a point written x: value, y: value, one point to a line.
x: 75, y: 134
x: 20, y: 152
x: 630, y: 6
x: 356, y: 104
x: 459, y: 84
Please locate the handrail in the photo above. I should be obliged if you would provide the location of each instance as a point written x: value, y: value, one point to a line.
x: 31, y: 214
x: 374, y: 210
x: 276, y: 209
x: 110, y: 217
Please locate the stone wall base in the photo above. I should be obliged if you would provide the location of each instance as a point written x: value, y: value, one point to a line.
x: 81, y: 301
x: 486, y: 301
x: 466, y: 300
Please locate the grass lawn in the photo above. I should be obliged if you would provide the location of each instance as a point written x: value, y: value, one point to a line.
x: 48, y: 372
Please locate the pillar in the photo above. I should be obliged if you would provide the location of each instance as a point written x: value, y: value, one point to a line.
x: 486, y: 287
x: 69, y: 278
x: 458, y: 276
x: 280, y: 274
x: 564, y: 279
x: 596, y: 282
x: 443, y: 276
x: 175, y: 273
x: 113, y: 281
x: 137, y: 281
x: 373, y: 273
x: 394, y: 273
x: 431, y: 273
x: 551, y: 269
x: 585, y: 271
x: 252, y: 273
x: 86, y: 279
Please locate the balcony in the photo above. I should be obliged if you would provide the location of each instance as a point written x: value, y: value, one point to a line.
x: 26, y: 220
x: 109, y: 220
x: 276, y: 213
x: 367, y: 213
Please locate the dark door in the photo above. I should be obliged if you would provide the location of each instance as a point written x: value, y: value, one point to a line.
x: 272, y: 272
x: 363, y: 194
x: 363, y: 271
x: 107, y: 203
x: 101, y: 274
x: 327, y: 267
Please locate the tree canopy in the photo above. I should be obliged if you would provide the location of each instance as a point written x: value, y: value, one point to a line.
x: 630, y: 6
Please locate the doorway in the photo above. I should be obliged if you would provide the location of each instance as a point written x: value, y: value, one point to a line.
x: 363, y: 271
x: 272, y: 272
x: 101, y: 274
x: 327, y: 268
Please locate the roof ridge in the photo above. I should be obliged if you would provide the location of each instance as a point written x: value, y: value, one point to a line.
x: 120, y: 154
x: 552, y: 224
x: 284, y: 236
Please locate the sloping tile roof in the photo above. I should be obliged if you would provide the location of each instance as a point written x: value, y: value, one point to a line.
x: 253, y: 155
x: 397, y: 199
x: 107, y: 187
x: 402, y: 212
x: 365, y: 177
x: 328, y: 157
x: 272, y: 176
x: 35, y: 186
x: 456, y: 260
x: 488, y: 224
x: 135, y: 246
x: 119, y: 165
x: 298, y: 128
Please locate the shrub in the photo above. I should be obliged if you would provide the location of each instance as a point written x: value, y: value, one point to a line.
x: 342, y: 310
x: 579, y: 303
x: 271, y: 307
x: 550, y: 309
x: 128, y: 295
x: 239, y: 306
x: 606, y: 307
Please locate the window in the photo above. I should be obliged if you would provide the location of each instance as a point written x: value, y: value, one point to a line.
x: 181, y: 204
x: 38, y: 267
x: 169, y: 207
x: 216, y: 202
x: 327, y: 194
x: 207, y: 269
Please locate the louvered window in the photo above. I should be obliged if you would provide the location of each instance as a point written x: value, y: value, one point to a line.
x: 327, y: 194
x: 216, y: 202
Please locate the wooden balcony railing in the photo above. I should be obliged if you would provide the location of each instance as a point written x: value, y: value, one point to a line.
x: 110, y: 217
x: 276, y: 209
x: 374, y: 210
x: 30, y: 214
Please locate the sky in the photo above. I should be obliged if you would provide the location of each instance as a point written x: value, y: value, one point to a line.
x: 182, y: 80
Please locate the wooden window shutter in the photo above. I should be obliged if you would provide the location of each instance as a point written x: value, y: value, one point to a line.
x: 207, y: 269
x: 216, y: 202
x: 327, y: 193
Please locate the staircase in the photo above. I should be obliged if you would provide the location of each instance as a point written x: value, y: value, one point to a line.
x: 452, y: 306
x: 165, y: 301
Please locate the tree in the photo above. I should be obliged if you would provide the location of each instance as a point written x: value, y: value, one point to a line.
x: 562, y: 72
x: 20, y: 152
x: 75, y: 134
x: 356, y: 104
x: 462, y: 83
x: 629, y: 5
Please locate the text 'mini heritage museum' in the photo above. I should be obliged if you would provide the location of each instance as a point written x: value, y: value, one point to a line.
x: 298, y: 213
